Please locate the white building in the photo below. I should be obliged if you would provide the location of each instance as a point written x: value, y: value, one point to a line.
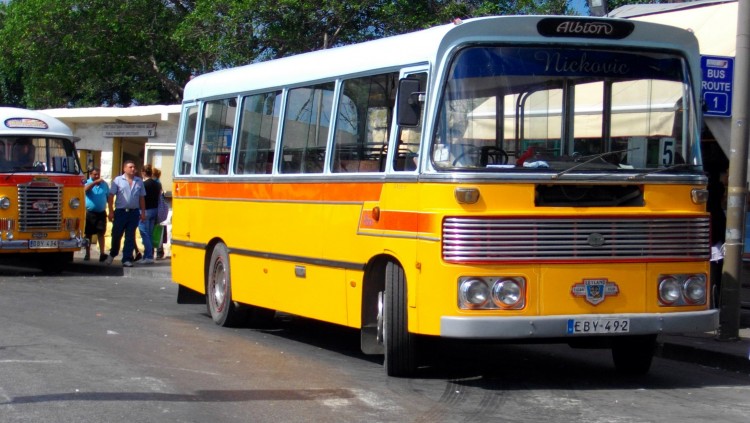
x: 110, y: 135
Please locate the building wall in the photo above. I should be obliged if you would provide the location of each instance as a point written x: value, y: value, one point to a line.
x: 88, y: 125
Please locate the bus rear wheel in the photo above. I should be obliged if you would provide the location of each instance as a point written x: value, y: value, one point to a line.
x: 219, y: 288
x: 399, y: 344
x: 633, y: 355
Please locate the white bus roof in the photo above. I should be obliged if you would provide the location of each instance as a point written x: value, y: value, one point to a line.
x: 15, y: 121
x: 421, y: 47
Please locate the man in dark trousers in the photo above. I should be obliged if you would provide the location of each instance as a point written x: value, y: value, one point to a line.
x: 127, y: 208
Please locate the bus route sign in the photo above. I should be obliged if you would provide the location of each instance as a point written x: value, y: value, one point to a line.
x: 716, y: 88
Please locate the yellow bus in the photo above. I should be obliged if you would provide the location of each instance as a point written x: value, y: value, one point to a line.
x: 42, y: 204
x: 506, y: 178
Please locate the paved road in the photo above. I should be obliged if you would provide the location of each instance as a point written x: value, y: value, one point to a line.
x: 93, y: 348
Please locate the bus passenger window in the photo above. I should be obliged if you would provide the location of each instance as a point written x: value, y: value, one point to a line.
x: 306, y: 123
x: 216, y: 136
x: 259, y: 119
x: 188, y: 138
x: 362, y: 123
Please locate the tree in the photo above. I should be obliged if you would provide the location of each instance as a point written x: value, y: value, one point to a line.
x: 91, y: 52
x: 233, y: 32
x: 74, y: 53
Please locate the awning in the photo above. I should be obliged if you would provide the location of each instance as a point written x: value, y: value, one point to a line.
x: 714, y: 25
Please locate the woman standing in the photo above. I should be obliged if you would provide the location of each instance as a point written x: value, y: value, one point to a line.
x: 146, y: 227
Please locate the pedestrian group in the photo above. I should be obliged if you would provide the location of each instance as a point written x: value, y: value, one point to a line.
x: 132, y: 202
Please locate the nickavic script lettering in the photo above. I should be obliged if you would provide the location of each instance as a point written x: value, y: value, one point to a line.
x: 593, y: 28
x: 580, y: 64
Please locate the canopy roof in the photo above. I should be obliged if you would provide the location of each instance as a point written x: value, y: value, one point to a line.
x: 714, y: 23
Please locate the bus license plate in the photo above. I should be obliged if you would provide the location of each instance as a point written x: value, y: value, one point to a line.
x: 584, y: 326
x: 42, y: 243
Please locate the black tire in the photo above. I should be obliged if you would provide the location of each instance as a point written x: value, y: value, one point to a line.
x: 400, y: 351
x: 219, y: 302
x: 633, y: 355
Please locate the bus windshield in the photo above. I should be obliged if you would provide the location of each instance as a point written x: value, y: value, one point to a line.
x: 565, y: 110
x: 20, y: 154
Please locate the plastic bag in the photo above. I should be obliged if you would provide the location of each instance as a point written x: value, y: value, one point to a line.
x: 162, y: 211
x: 156, y: 235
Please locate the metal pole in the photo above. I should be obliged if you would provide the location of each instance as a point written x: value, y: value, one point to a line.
x: 731, y: 283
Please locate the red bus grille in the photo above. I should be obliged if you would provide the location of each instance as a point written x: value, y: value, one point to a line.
x: 478, y: 240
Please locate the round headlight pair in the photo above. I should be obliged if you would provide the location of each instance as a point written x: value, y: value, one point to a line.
x: 673, y: 291
x: 476, y: 293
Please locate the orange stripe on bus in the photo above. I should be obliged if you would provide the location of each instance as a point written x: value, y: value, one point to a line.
x: 400, y: 221
x: 323, y: 192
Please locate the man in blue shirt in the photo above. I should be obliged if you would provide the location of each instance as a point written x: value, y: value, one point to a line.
x: 97, y: 191
x: 127, y: 208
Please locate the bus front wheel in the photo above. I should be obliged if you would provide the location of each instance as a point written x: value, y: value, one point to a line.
x: 219, y: 288
x: 399, y: 344
x: 632, y: 355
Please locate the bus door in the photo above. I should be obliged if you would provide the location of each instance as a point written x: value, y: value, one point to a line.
x: 401, y: 196
x: 184, y: 165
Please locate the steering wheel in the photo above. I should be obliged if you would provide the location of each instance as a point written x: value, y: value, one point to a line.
x: 466, y: 152
x: 493, y: 155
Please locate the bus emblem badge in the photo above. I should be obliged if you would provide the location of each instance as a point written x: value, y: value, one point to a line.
x: 43, y: 206
x: 594, y: 291
x: 596, y: 240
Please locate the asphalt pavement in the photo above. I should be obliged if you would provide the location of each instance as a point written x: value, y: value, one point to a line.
x: 701, y: 348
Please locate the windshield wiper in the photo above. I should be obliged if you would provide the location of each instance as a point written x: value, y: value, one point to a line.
x: 661, y: 169
x: 595, y: 157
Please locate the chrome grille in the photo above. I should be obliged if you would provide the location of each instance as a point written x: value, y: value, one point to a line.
x: 575, y: 239
x: 39, y: 207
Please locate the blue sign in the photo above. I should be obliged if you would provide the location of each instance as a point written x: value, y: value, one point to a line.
x: 716, y: 88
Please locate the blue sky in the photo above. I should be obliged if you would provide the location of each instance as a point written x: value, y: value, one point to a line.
x: 580, y: 7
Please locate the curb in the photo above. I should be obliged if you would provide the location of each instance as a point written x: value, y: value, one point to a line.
x: 155, y: 271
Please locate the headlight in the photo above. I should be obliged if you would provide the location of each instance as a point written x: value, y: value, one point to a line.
x: 492, y: 292
x: 473, y: 293
x: 4, y: 203
x: 695, y: 290
x: 683, y: 289
x: 669, y: 291
x: 75, y: 202
x: 508, y: 293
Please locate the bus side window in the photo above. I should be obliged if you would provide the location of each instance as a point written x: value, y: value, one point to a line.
x: 362, y: 124
x: 188, y: 138
x: 306, y: 123
x: 259, y: 119
x: 216, y: 136
x: 406, y: 156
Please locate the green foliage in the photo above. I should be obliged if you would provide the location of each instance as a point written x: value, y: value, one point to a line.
x: 90, y: 53
x: 76, y: 53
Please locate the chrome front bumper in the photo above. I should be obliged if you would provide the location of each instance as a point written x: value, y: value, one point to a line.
x: 557, y: 326
x: 22, y: 245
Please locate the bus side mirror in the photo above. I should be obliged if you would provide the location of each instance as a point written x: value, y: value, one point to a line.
x: 410, y: 100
